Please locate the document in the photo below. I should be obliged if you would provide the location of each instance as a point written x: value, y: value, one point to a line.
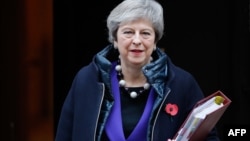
x: 203, y: 117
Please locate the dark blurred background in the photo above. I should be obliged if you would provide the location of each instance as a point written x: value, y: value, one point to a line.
x: 45, y: 42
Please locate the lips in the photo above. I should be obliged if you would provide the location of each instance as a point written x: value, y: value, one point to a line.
x: 136, y: 51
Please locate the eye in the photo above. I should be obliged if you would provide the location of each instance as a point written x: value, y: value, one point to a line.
x: 146, y: 34
x: 127, y: 32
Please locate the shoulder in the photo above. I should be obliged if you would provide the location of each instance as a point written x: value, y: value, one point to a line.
x: 178, y: 72
x: 181, y: 78
x: 88, y: 73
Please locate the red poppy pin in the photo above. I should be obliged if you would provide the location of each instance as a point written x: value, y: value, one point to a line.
x: 171, y: 109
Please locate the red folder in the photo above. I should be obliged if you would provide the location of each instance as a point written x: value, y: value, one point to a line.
x: 206, y: 125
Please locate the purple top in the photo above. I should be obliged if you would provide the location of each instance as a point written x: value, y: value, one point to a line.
x: 114, y: 127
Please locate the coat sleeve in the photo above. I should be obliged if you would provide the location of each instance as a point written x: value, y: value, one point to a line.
x: 65, y: 123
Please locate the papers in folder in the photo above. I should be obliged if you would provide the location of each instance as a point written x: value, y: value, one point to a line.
x: 203, y: 117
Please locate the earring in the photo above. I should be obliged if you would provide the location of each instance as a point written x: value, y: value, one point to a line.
x: 115, y: 45
x: 151, y: 59
x: 154, y: 48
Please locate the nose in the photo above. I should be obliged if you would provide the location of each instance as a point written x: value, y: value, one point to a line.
x: 136, y: 39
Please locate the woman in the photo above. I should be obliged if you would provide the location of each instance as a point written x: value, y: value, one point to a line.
x: 124, y: 92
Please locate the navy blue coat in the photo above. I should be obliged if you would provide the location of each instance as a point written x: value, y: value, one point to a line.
x: 89, y: 100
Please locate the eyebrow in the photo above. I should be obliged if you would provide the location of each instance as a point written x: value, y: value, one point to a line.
x: 144, y: 29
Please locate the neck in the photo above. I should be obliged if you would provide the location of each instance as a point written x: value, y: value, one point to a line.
x: 133, y: 76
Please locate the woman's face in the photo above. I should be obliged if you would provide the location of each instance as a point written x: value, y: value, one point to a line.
x: 135, y: 42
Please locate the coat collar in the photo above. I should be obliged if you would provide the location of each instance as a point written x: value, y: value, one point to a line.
x: 156, y: 72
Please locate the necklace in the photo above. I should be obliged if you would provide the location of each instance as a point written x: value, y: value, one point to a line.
x: 122, y: 83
